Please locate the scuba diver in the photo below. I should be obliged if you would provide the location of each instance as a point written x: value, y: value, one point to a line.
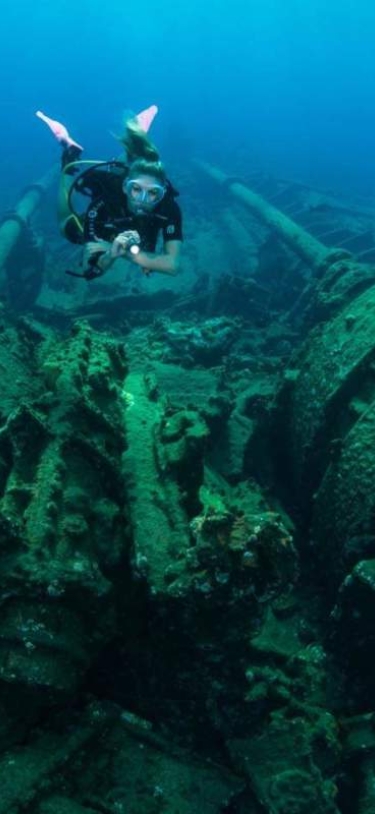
x: 131, y: 203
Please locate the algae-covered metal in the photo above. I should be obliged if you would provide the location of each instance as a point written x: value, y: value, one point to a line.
x: 15, y: 221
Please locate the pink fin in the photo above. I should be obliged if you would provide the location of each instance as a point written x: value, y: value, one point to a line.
x: 59, y: 130
x: 146, y: 117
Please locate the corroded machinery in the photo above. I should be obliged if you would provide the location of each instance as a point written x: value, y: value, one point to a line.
x: 145, y: 564
x: 322, y: 439
x: 328, y: 393
x: 324, y: 418
x: 131, y: 568
x: 60, y: 445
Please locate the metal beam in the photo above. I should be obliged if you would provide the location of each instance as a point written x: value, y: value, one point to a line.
x: 308, y: 248
x: 15, y: 221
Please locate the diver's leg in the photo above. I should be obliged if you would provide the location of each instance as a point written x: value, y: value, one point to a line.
x: 70, y: 225
x: 59, y: 131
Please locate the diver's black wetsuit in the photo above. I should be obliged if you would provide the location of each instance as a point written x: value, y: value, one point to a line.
x: 107, y: 214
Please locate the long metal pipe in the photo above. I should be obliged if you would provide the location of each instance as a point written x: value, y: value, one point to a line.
x: 15, y: 221
x: 306, y: 246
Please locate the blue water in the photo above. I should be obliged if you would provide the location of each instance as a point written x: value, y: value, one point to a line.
x: 283, y: 85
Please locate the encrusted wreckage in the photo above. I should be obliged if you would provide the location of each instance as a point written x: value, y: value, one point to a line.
x: 188, y: 549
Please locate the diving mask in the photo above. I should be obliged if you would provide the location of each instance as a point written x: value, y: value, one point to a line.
x: 140, y: 192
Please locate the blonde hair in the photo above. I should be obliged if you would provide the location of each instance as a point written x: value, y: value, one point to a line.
x: 137, y: 143
x: 142, y: 166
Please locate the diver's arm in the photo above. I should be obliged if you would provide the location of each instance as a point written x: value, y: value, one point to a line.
x: 110, y: 252
x: 166, y: 263
x: 98, y: 254
x: 105, y: 261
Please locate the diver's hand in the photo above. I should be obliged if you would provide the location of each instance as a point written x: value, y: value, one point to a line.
x: 93, y: 248
x: 123, y: 242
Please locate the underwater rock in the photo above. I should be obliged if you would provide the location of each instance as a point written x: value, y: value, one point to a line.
x: 29, y: 772
x: 254, y: 552
x: 204, y: 343
x: 282, y: 765
x: 109, y: 760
